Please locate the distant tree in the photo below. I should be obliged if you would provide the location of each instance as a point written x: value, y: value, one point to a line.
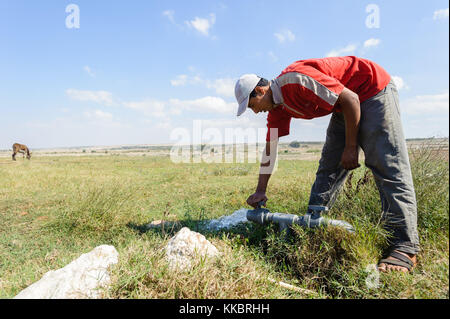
x: 294, y: 144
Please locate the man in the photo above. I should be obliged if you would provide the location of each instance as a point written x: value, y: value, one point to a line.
x: 365, y: 111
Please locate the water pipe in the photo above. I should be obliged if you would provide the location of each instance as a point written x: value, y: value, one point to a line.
x: 312, y: 219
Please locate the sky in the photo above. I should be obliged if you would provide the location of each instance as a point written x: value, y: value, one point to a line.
x: 99, y: 73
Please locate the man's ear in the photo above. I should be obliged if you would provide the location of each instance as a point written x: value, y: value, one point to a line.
x: 260, y: 90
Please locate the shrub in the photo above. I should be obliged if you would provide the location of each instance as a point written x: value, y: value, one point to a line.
x: 294, y: 144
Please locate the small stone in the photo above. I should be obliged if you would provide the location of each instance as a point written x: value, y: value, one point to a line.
x: 186, y: 246
x: 160, y: 224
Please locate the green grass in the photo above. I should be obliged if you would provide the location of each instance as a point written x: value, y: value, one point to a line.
x: 53, y: 209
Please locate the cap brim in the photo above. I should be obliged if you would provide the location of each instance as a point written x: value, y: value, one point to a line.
x: 243, y: 106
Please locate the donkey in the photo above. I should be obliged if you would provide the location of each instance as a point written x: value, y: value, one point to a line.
x: 20, y: 148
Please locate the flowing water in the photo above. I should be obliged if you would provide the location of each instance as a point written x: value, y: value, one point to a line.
x: 228, y: 221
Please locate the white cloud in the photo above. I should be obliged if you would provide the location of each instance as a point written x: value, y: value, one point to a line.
x: 371, y: 43
x: 427, y: 104
x: 440, y: 14
x: 164, y: 124
x: 98, y: 115
x: 153, y: 108
x: 285, y: 35
x: 399, y: 82
x: 206, y: 104
x: 223, y: 87
x: 88, y: 70
x: 272, y: 56
x: 183, y: 79
x: 170, y: 15
x: 180, y: 80
x: 348, y: 50
x: 165, y: 109
x: 195, y: 80
x: 202, y: 25
x: 101, y: 97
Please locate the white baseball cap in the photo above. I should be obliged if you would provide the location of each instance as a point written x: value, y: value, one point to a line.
x: 244, y: 86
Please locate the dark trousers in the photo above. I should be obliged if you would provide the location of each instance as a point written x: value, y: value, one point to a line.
x: 381, y: 138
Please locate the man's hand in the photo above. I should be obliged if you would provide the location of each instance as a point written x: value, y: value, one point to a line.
x: 255, y: 198
x: 349, y: 158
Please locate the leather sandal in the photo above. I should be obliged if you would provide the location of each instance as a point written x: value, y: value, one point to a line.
x: 400, y: 260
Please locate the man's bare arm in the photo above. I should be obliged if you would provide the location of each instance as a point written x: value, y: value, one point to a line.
x: 268, y: 161
x: 351, y: 108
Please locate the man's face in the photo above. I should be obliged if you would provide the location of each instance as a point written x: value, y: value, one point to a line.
x: 263, y: 101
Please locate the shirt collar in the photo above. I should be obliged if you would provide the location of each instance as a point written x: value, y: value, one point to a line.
x: 276, y: 92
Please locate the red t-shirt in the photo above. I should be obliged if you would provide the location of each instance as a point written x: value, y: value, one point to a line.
x: 310, y: 88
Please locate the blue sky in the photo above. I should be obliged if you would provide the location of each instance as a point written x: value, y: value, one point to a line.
x: 135, y: 71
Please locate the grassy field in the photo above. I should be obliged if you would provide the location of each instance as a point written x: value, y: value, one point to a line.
x: 54, y: 208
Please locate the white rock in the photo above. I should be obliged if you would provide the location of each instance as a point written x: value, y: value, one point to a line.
x: 186, y: 246
x: 80, y: 279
